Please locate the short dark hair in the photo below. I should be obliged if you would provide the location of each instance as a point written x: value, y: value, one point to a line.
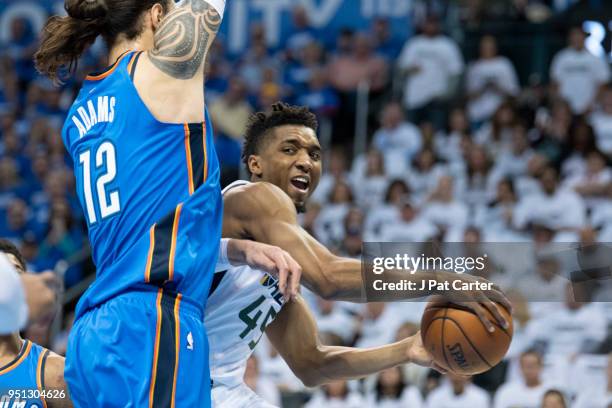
x: 261, y: 123
x: 8, y: 247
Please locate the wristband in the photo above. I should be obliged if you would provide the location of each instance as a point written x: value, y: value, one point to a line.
x: 223, y: 262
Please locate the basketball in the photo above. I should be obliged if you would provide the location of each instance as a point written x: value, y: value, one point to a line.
x: 458, y: 340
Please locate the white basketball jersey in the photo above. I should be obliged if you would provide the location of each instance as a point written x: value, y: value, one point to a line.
x: 242, y: 303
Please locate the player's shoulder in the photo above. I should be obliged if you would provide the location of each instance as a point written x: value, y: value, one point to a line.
x: 259, y: 197
x: 54, y: 371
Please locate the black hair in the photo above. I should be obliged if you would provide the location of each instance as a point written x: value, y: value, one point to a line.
x: 261, y: 123
x: 9, y: 248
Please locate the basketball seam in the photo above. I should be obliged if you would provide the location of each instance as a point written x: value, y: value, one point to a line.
x: 465, y: 309
x: 469, y: 341
x: 442, y: 339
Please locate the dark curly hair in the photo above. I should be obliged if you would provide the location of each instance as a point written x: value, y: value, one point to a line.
x: 261, y: 123
x: 7, y: 247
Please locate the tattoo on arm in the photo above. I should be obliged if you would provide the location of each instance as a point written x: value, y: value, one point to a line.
x: 183, y: 39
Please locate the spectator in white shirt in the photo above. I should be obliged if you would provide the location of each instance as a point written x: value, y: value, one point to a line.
x: 453, y: 144
x: 371, y: 186
x: 527, y: 392
x: 458, y: 392
x: 388, y: 212
x: 601, y: 121
x: 378, y: 326
x: 335, y: 395
x: 480, y: 180
x: 577, y: 73
x: 513, y: 159
x: 581, y: 142
x: 398, y: 140
x: 555, y: 208
x: 597, y: 397
x: 392, y: 391
x: 554, y: 399
x: 490, y: 80
x: 262, y: 386
x: 425, y: 174
x: 576, y: 327
x: 443, y: 210
x: 329, y: 225
x: 333, y: 322
x: 433, y: 63
x: 335, y: 172
x: 410, y: 227
x: 496, y: 135
x: 594, y: 181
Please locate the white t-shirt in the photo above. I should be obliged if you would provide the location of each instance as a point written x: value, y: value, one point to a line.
x: 13, y: 306
x: 411, y: 397
x: 579, y: 74
x: 593, y: 399
x: 438, y: 58
x: 444, y: 397
x: 352, y: 400
x: 602, y: 125
x: 498, y: 70
x: 399, y: 146
x: 518, y: 395
x: 563, y: 209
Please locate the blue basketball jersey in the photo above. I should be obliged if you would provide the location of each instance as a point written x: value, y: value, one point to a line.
x: 149, y: 190
x: 22, y: 381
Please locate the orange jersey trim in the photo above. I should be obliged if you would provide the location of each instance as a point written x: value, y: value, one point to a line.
x: 108, y: 71
x: 16, y: 363
x: 188, y: 153
x: 156, y: 350
x: 150, y: 255
x: 177, y: 336
x: 177, y: 216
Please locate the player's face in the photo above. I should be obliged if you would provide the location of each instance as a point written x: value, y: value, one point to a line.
x: 292, y: 161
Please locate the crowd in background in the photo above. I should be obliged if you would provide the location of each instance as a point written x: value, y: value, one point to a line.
x: 460, y: 151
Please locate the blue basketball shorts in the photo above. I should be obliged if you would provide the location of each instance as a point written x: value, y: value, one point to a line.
x: 140, y: 349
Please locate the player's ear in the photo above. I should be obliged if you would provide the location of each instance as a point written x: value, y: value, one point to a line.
x: 255, y: 165
x: 157, y: 15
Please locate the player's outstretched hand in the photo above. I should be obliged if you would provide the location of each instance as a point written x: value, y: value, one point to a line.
x: 271, y: 259
x: 480, y: 301
x: 417, y: 354
x: 41, y: 294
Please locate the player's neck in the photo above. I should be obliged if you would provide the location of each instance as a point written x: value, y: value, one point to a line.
x: 121, y: 47
x: 10, y: 346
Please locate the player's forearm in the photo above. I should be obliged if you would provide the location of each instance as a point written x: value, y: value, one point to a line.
x: 343, y: 363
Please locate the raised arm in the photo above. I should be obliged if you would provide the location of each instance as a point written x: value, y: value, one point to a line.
x: 184, y: 37
x: 263, y: 212
x: 315, y: 363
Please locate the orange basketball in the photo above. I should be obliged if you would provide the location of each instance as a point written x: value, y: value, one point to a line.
x: 459, y: 342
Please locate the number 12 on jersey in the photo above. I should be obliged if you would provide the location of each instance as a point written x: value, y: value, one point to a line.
x: 109, y: 203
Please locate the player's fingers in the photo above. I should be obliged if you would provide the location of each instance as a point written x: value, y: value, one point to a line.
x: 494, y: 310
x: 296, y: 274
x: 277, y: 256
x: 261, y: 261
x: 50, y: 279
x: 480, y: 312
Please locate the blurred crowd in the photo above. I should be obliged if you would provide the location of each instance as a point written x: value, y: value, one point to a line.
x: 458, y: 151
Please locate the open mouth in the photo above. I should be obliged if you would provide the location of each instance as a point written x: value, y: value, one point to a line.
x: 301, y: 183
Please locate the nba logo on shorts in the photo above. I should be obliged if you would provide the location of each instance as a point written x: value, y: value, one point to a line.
x: 189, y: 341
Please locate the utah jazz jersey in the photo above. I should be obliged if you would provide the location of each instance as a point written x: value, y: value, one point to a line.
x: 149, y: 190
x: 22, y: 381
x: 242, y: 303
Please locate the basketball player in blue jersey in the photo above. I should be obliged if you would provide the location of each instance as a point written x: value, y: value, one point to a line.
x: 147, y: 178
x: 30, y: 375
